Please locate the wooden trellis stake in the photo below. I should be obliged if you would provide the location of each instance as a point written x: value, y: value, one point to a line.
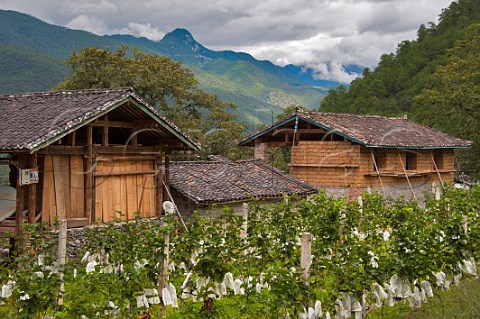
x: 62, y: 254
x: 306, y: 256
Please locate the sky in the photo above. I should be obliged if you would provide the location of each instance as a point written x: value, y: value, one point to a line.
x: 322, y: 34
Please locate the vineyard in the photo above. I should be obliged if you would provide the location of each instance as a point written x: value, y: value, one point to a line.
x: 318, y: 258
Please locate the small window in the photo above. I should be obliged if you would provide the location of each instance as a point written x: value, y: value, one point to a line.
x: 410, y: 161
x: 438, y: 159
x: 380, y: 158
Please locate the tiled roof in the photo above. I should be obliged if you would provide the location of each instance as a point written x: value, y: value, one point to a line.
x: 222, y: 181
x: 32, y: 121
x: 372, y: 131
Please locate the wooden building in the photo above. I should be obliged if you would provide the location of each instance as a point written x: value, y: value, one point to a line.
x: 346, y: 154
x: 211, y: 185
x: 86, y: 156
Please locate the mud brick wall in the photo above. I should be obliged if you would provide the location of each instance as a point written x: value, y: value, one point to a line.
x: 347, y: 169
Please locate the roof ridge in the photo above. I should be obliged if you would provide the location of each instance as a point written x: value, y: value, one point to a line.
x: 46, y: 93
x: 356, y: 115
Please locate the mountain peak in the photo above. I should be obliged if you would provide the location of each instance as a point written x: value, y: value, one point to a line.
x: 180, y: 34
x: 182, y: 37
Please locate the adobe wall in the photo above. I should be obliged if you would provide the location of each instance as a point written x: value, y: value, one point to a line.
x: 347, y: 169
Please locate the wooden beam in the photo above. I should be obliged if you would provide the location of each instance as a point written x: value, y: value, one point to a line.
x: 150, y: 172
x: 125, y: 124
x: 105, y: 131
x: 77, y: 222
x: 313, y: 131
x: 80, y: 150
x: 32, y: 192
x: 326, y: 165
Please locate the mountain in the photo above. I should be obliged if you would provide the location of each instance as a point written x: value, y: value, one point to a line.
x: 391, y: 87
x: 35, y: 50
x: 433, y: 79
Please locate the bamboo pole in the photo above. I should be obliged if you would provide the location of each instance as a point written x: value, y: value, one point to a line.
x: 437, y: 170
x: 378, y: 173
x: 175, y: 205
x: 406, y: 175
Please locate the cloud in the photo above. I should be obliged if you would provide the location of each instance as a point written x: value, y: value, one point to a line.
x: 84, y: 22
x: 147, y: 30
x: 315, y: 32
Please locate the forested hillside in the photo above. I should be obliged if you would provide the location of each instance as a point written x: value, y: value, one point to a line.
x: 32, y: 52
x: 414, y: 79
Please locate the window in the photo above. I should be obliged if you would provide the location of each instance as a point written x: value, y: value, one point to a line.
x: 380, y: 158
x: 438, y: 159
x: 410, y: 161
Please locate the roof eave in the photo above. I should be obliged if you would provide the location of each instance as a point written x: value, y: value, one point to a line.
x: 160, y: 120
x: 419, y: 147
x: 267, y: 130
x: 38, y: 145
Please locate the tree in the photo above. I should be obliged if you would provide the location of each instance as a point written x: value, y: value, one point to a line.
x: 164, y: 84
x: 451, y: 101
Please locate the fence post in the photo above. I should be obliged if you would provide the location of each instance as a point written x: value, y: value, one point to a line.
x: 244, y: 228
x: 164, y: 272
x: 437, y: 190
x: 306, y: 256
x: 62, y: 252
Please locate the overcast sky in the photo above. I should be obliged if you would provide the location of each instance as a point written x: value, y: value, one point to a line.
x: 319, y: 33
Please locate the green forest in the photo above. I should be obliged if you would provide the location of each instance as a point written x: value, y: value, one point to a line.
x: 435, y: 80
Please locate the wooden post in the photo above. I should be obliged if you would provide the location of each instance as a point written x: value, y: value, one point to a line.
x: 166, y: 176
x: 20, y: 195
x: 134, y: 138
x: 32, y: 192
x: 360, y: 204
x: 164, y: 272
x: 74, y: 138
x: 306, y: 256
x: 436, y: 191
x: 378, y: 172
x: 105, y: 131
x: 159, y: 186
x: 62, y: 254
x: 244, y: 228
x: 89, y: 177
x: 406, y: 175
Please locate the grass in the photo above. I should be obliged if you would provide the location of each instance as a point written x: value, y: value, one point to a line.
x: 461, y: 302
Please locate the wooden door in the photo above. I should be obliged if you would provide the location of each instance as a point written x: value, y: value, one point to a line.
x: 124, y: 188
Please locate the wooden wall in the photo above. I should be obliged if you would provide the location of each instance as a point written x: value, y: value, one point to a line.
x: 63, y: 188
x: 124, y: 187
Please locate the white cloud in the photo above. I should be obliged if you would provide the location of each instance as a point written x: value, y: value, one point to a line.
x: 84, y: 22
x: 317, y: 32
x: 147, y: 30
